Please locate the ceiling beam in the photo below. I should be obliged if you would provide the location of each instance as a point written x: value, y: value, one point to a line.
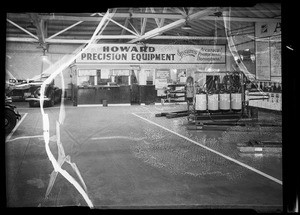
x: 180, y: 11
x: 23, y: 29
x: 173, y: 16
x: 127, y: 29
x: 40, y: 29
x: 165, y: 37
x: 20, y: 39
x: 117, y: 15
x: 166, y: 16
x: 125, y: 25
x: 67, y: 28
x: 132, y: 24
x: 191, y: 10
x: 157, y: 31
x: 156, y: 19
x: 108, y: 37
x: 162, y: 20
x: 72, y: 18
x: 136, y: 31
x: 143, y: 28
x: 242, y: 19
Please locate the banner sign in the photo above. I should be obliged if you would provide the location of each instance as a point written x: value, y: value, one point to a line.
x: 162, y: 54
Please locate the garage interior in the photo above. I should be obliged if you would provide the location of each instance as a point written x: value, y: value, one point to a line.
x: 153, y: 107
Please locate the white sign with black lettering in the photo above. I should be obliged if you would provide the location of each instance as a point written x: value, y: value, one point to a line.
x: 153, y: 53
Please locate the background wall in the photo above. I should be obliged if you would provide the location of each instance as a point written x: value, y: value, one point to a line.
x: 268, y: 51
x: 24, y: 61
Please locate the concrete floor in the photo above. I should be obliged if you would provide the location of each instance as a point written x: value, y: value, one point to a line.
x: 129, y: 158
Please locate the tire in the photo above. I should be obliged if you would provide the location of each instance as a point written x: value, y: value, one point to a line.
x: 10, y: 121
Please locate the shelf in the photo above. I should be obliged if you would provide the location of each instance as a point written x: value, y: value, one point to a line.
x: 177, y: 91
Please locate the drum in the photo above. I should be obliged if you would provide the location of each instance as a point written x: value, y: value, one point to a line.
x: 213, y: 102
x: 236, y: 101
x: 224, y: 101
x: 201, y: 102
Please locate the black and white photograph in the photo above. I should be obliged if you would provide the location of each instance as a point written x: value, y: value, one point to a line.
x: 146, y: 108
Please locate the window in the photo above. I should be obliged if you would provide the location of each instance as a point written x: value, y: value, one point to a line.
x: 86, y: 77
x: 92, y: 80
x: 103, y: 77
x: 122, y: 80
x: 121, y: 76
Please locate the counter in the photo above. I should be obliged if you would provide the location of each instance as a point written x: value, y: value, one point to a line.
x: 96, y: 94
x: 148, y: 94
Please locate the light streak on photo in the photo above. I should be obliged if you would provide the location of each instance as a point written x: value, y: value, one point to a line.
x: 54, y: 70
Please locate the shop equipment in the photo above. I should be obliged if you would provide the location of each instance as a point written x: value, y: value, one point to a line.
x: 222, y: 101
x: 175, y: 93
x: 253, y: 146
x: 222, y: 97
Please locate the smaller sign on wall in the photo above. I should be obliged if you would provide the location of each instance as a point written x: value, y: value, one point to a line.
x: 267, y: 29
x: 161, y: 83
x: 162, y: 74
x: 121, y: 72
x: 181, y: 75
x: 86, y: 72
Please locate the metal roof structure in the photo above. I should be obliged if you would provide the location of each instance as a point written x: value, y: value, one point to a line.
x: 133, y: 25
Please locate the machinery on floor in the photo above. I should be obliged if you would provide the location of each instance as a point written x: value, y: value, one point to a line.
x: 11, y: 115
x: 220, y: 98
x: 217, y: 100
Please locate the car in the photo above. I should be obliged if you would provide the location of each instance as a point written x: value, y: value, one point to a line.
x: 11, y: 115
x: 52, y: 94
x: 19, y: 91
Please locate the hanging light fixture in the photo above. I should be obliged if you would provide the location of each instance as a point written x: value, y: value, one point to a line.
x: 31, y: 27
x: 218, y: 14
x: 44, y: 56
x: 186, y: 26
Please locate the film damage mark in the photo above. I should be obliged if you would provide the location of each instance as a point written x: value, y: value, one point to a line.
x: 54, y: 70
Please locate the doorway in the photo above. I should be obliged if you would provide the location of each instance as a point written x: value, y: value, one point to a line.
x: 135, y: 97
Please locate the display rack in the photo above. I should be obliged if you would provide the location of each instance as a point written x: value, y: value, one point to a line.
x: 175, y: 93
x: 207, y: 105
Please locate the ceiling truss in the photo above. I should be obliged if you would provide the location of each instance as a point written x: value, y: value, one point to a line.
x: 135, y: 26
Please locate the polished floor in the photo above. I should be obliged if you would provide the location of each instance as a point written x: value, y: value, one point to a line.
x: 127, y: 157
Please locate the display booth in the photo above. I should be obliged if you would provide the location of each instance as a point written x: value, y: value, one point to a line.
x: 137, y: 74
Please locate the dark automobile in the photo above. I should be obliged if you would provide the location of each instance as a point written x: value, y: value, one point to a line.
x: 19, y: 90
x: 52, y: 94
x: 11, y: 115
